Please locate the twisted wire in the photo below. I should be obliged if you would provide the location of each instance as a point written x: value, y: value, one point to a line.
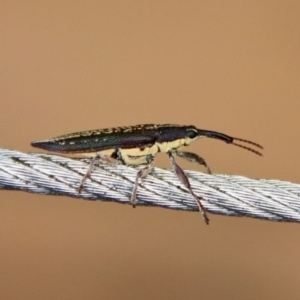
x: 220, y: 194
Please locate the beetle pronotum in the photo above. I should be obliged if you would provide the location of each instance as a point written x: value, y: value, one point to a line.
x: 138, y: 145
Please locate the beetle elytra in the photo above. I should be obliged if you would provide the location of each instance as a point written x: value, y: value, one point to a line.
x: 138, y: 145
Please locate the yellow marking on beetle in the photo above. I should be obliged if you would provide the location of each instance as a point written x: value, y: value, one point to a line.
x: 135, y: 160
x: 107, y: 152
x: 138, y: 156
x: 174, y: 145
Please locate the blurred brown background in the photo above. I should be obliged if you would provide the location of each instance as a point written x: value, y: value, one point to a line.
x: 229, y: 66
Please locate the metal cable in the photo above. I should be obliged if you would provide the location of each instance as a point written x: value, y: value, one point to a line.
x: 221, y: 194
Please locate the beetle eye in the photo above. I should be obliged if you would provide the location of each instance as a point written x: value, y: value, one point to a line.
x: 191, y: 134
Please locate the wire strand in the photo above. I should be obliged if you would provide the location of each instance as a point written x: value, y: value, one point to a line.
x: 220, y: 194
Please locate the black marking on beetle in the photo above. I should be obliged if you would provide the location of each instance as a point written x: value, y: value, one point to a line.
x: 138, y: 145
x: 115, y: 154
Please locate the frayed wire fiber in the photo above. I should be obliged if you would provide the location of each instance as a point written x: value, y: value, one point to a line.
x: 220, y: 194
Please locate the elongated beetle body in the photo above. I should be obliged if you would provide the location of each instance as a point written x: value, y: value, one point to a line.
x: 138, y: 145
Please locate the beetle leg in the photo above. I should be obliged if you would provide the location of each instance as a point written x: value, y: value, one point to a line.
x: 185, y: 181
x: 194, y: 158
x: 141, y: 174
x: 99, y: 156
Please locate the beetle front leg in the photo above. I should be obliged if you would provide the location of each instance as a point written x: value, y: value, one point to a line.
x: 140, y: 175
x: 194, y: 158
x: 185, y: 181
x: 99, y: 156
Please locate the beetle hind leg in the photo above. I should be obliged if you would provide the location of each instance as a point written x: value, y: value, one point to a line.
x: 185, y: 181
x: 193, y: 158
x: 99, y: 156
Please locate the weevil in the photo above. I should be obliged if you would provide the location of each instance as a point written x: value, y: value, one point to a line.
x: 138, y: 145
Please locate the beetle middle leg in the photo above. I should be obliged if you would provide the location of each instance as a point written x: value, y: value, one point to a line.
x: 99, y: 156
x: 185, y: 181
x: 140, y: 175
x: 194, y: 158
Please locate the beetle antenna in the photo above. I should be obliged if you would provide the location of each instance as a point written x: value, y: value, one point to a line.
x: 230, y: 140
x: 248, y: 148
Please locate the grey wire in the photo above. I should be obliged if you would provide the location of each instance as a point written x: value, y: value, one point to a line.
x: 220, y: 194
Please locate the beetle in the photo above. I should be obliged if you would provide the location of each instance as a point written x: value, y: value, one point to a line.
x: 138, y: 145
